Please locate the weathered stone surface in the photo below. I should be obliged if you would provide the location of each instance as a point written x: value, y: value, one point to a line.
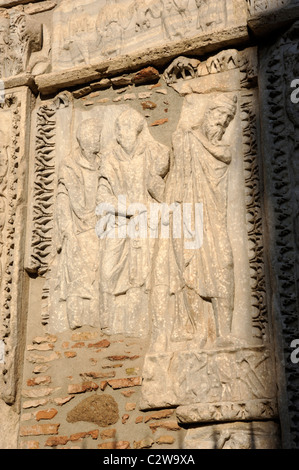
x: 233, y: 436
x: 99, y: 409
x: 9, y: 422
x: 268, y: 18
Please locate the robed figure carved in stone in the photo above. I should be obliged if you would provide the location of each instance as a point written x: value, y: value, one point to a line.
x: 201, y: 277
x: 132, y: 177
x: 73, y: 285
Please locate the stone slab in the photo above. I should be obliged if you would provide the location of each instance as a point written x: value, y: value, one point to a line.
x: 159, y: 56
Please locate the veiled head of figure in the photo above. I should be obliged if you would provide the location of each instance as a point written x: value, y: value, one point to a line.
x: 218, y: 116
x: 128, y: 126
x: 89, y: 138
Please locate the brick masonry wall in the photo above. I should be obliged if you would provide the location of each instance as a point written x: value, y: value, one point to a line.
x: 82, y: 389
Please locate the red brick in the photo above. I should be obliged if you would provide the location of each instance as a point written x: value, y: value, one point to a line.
x: 125, y: 418
x: 44, y: 339
x: 146, y: 75
x: 56, y: 441
x: 46, y: 414
x: 124, y: 383
x: 161, y: 414
x: 78, y: 436
x: 98, y: 375
x: 165, y: 440
x: 39, y: 380
x: 84, y: 336
x: 80, y: 344
x: 39, y: 429
x: 139, y: 419
x: 122, y: 358
x: 70, y: 354
x: 108, y: 433
x: 115, y: 445
x: 94, y: 434
x: 159, y: 122
x: 104, y: 343
x: 127, y: 393
x: 29, y: 445
x: 103, y: 385
x: 148, y: 105
x: 62, y: 401
x: 81, y: 435
x: 169, y: 425
x: 83, y: 387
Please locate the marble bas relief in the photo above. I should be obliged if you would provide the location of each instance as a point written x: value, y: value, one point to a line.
x: 186, y: 280
x: 99, y: 274
x: 74, y: 287
x: 131, y: 174
x: 86, y: 31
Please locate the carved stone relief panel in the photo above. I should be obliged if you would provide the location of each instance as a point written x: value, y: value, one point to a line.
x: 210, y: 311
x: 14, y: 127
x: 91, y: 277
x: 87, y: 32
x: 146, y: 221
x: 24, y: 43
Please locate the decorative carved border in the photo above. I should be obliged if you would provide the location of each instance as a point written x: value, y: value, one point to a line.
x: 254, y: 217
x: 281, y: 215
x: 44, y: 187
x: 11, y: 295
